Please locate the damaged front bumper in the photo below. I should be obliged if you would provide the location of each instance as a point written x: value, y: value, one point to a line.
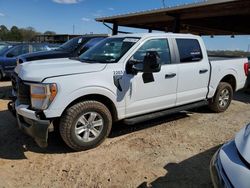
x: 30, y: 122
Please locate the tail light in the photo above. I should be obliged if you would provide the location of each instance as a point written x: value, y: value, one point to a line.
x: 246, y: 67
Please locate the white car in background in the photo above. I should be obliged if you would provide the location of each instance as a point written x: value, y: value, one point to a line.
x: 230, y: 166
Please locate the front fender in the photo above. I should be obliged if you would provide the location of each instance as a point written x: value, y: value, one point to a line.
x: 62, y: 102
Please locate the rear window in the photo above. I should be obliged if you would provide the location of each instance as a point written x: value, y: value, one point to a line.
x: 189, y: 50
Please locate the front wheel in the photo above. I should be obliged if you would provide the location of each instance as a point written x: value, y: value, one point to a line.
x: 222, y: 98
x: 85, y: 125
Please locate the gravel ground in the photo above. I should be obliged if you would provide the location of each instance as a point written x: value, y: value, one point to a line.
x: 173, y: 151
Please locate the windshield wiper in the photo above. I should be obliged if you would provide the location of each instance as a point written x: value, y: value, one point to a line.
x: 75, y: 58
x: 88, y: 60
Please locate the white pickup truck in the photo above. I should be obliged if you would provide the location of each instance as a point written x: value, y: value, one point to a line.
x: 132, y: 77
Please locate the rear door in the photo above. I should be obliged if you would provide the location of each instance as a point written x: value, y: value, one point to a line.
x: 193, y: 69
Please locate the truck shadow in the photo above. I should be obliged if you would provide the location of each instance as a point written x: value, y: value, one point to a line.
x: 5, y: 92
x: 190, y: 173
x: 14, y: 143
x: 242, y: 96
x: 120, y: 128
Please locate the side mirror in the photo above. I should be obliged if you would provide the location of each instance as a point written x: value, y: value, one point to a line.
x: 151, y: 62
x: 10, y: 55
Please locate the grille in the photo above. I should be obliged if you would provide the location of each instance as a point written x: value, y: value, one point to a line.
x: 22, y: 90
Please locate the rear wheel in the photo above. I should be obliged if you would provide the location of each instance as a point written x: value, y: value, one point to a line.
x: 85, y: 125
x: 222, y: 98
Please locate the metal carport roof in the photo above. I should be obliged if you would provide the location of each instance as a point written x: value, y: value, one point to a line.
x: 212, y: 17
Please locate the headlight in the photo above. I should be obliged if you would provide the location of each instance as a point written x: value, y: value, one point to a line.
x: 42, y: 95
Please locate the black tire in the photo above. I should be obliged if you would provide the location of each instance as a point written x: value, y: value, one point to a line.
x: 71, y: 119
x: 216, y: 104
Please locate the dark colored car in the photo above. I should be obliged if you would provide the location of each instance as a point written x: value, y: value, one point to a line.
x: 9, y: 52
x: 72, y: 48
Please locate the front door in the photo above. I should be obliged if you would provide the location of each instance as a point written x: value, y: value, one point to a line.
x: 156, y: 91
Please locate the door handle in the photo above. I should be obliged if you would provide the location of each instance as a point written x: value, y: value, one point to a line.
x: 171, y: 75
x: 202, y: 71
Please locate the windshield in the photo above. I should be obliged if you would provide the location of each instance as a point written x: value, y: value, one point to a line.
x: 71, y: 44
x: 4, y: 49
x: 109, y: 50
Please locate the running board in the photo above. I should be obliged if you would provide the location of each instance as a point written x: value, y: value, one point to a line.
x: 146, y: 117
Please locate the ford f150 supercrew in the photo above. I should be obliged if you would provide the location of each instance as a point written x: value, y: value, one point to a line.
x: 132, y: 77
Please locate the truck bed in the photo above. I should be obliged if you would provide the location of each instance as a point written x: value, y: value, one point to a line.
x: 221, y: 66
x: 219, y: 58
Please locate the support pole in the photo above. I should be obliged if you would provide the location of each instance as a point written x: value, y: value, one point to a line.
x: 115, y: 29
x: 176, y: 28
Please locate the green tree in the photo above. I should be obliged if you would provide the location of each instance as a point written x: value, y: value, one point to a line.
x: 28, y: 34
x: 3, y: 32
x: 15, y: 34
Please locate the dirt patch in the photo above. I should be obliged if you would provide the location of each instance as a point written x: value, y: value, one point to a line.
x: 173, y: 151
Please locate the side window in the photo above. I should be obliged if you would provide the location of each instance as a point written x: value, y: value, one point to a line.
x: 37, y: 48
x: 189, y: 50
x: 159, y: 45
x: 25, y: 49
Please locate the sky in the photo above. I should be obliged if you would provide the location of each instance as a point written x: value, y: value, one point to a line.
x: 61, y: 15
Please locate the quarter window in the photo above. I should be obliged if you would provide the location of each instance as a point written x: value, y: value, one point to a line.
x: 159, y: 45
x: 189, y: 50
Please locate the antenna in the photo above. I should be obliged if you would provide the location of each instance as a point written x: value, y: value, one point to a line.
x: 163, y: 3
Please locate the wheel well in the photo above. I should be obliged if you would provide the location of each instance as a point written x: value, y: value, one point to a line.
x: 100, y: 98
x: 231, y: 80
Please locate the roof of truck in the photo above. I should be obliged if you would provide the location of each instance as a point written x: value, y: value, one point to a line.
x: 143, y: 35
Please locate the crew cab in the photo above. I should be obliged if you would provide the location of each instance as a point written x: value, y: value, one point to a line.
x: 133, y: 77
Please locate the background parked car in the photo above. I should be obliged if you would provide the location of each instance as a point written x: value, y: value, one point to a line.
x: 230, y: 165
x: 9, y: 53
x: 72, y: 48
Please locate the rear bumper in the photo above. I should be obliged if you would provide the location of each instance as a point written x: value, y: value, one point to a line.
x: 29, y: 122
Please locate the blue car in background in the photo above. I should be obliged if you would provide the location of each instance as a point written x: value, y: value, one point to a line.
x: 20, y: 53
x: 9, y: 52
x: 72, y: 48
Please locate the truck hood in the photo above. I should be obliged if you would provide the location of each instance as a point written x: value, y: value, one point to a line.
x: 37, y: 71
x: 242, y: 141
